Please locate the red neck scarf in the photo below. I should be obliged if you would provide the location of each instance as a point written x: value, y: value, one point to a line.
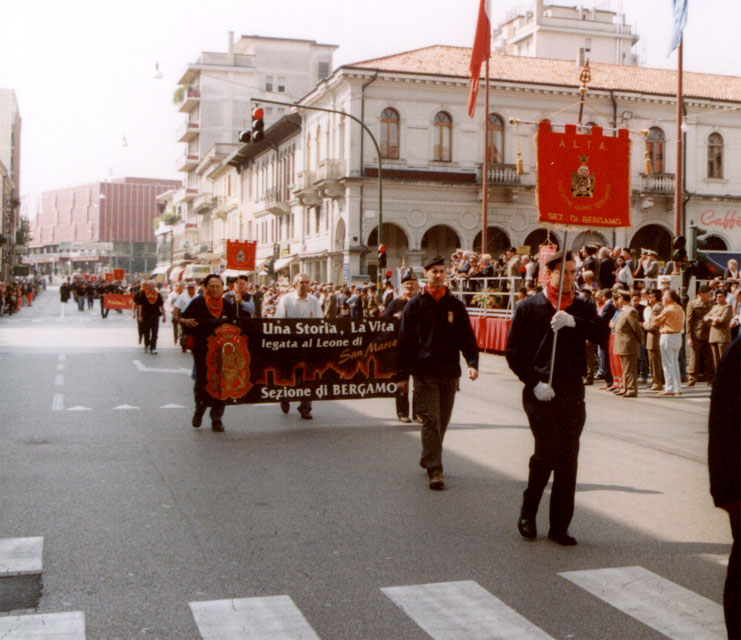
x: 567, y: 298
x: 214, y: 305
x: 437, y: 293
x: 151, y: 296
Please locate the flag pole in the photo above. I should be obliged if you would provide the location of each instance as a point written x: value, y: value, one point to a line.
x: 485, y: 170
x: 679, y: 186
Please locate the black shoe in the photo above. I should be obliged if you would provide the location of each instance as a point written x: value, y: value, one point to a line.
x: 217, y: 425
x: 197, y: 419
x: 306, y: 415
x: 403, y: 418
x: 562, y: 538
x: 285, y: 407
x: 527, y: 529
x: 422, y: 463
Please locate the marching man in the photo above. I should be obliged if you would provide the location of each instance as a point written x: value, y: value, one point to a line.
x: 556, y: 412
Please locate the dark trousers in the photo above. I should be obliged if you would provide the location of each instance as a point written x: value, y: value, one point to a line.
x: 556, y: 428
x: 732, y: 591
x: 604, y: 364
x: 202, y: 398
x: 149, y: 328
x: 434, y: 397
x: 103, y: 310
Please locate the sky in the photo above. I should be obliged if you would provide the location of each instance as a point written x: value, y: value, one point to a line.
x: 83, y: 70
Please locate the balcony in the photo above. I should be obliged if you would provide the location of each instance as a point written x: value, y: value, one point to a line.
x: 205, y: 203
x: 658, y: 184
x: 276, y: 200
x: 187, y: 162
x: 187, y: 131
x: 191, y: 97
x: 189, y: 194
x: 328, y: 178
x: 503, y: 181
x: 306, y: 190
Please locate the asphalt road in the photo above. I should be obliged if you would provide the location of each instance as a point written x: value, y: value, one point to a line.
x: 142, y: 516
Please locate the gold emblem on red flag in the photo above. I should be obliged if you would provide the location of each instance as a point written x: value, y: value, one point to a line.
x: 582, y: 182
x: 228, y: 363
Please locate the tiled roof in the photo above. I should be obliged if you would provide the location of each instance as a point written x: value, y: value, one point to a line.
x: 450, y: 61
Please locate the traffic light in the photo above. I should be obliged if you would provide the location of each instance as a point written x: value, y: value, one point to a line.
x: 245, y: 137
x: 695, y: 234
x: 257, y: 124
x: 381, y: 258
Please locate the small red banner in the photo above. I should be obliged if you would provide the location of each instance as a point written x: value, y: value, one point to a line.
x: 118, y: 274
x: 240, y: 256
x: 583, y: 179
x: 109, y: 277
x: 117, y: 301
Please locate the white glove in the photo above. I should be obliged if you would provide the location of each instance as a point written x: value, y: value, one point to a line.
x: 544, y: 392
x: 562, y: 319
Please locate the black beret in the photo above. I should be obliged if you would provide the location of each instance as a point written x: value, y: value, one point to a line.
x: 209, y: 277
x: 556, y: 259
x: 407, y: 274
x: 433, y: 262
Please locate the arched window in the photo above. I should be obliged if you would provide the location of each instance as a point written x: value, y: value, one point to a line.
x: 442, y: 151
x: 715, y: 155
x: 655, y: 148
x: 495, y: 138
x: 390, y: 134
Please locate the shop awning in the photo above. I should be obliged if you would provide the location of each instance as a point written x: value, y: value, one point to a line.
x: 160, y: 270
x: 283, y: 263
x: 233, y: 273
x: 176, y: 273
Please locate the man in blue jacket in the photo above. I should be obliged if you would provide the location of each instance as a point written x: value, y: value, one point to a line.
x: 556, y: 411
x: 435, y: 329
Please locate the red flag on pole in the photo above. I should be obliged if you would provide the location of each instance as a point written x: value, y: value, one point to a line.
x: 480, y: 53
x: 240, y: 255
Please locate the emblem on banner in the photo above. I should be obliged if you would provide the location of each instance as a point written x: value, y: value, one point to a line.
x: 228, y: 364
x: 582, y: 183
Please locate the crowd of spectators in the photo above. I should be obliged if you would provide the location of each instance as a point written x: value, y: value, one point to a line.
x: 19, y: 293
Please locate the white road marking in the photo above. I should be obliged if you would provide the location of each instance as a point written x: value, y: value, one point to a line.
x: 20, y: 556
x: 455, y: 610
x: 58, y: 403
x: 678, y: 613
x: 48, y: 626
x: 61, y: 366
x: 141, y: 367
x: 269, y: 618
x: 62, y: 357
x: 172, y: 406
x: 79, y: 408
x: 126, y: 407
x: 59, y: 380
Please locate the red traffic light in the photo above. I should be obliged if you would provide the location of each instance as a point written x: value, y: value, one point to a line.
x: 258, y: 113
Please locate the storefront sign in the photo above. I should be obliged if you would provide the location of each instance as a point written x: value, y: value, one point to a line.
x: 583, y: 180
x: 294, y: 359
x: 729, y: 220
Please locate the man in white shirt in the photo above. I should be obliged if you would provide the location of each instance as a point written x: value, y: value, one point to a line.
x: 171, y: 298
x: 299, y: 303
x: 181, y: 303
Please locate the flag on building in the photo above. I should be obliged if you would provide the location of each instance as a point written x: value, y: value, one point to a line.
x: 480, y: 53
x: 680, y: 21
x: 240, y: 255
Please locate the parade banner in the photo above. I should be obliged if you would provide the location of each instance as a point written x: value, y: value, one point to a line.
x: 583, y: 179
x: 117, y: 301
x: 109, y: 277
x: 119, y: 274
x: 240, y: 256
x: 274, y: 360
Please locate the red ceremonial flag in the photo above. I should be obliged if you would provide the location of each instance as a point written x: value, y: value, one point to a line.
x: 240, y: 255
x: 118, y: 274
x: 109, y: 277
x: 583, y: 180
x: 480, y: 53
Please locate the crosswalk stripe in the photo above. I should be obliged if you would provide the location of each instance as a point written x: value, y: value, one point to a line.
x: 47, y: 626
x: 268, y: 618
x: 58, y: 402
x: 678, y: 613
x: 20, y: 556
x: 455, y: 610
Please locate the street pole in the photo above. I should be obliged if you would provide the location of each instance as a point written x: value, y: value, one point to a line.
x: 679, y: 190
x: 378, y: 153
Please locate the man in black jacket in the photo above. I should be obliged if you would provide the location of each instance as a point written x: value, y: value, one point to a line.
x: 724, y: 464
x: 435, y: 329
x: 556, y: 411
x: 394, y: 309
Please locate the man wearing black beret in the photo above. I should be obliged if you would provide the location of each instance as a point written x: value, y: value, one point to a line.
x: 435, y: 329
x: 556, y: 412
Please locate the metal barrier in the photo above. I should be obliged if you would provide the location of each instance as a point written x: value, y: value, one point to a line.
x: 499, y: 291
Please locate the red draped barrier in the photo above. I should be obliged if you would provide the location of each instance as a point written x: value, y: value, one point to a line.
x: 491, y: 333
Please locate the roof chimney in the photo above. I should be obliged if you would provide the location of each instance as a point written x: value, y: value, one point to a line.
x: 230, y: 49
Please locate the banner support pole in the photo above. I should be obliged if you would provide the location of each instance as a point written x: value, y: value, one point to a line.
x: 558, y: 307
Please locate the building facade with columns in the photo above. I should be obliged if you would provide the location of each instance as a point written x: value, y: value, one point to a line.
x: 313, y: 197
